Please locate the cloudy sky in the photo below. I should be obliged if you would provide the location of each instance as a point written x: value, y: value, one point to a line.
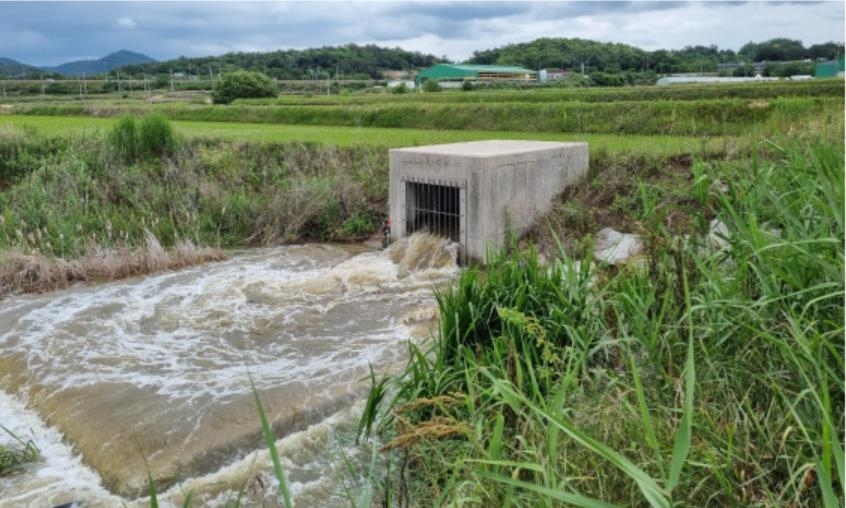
x: 47, y: 33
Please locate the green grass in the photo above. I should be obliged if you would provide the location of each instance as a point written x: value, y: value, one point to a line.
x: 14, y: 456
x: 700, y: 376
x: 703, y: 117
x: 374, y: 136
x: 83, y: 193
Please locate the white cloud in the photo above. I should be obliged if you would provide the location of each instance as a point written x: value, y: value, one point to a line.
x: 456, y: 29
x: 125, y: 22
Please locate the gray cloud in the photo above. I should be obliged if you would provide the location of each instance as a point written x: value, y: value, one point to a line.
x: 51, y: 33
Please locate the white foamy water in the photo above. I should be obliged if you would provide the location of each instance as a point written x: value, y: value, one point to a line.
x: 57, y: 474
x: 159, y: 367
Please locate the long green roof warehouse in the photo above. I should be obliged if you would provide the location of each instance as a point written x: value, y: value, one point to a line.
x: 460, y: 72
x: 832, y: 69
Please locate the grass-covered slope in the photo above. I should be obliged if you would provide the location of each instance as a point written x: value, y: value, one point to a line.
x: 708, y: 373
x: 85, y: 199
x: 688, y: 118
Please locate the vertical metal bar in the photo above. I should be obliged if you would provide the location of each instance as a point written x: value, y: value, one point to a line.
x: 440, y: 209
x: 436, y: 191
x: 429, y: 206
x: 454, y: 208
x: 426, y: 202
x: 453, y: 221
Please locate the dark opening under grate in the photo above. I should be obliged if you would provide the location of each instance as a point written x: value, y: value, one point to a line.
x: 433, y: 208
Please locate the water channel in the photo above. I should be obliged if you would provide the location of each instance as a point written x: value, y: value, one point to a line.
x: 107, y: 377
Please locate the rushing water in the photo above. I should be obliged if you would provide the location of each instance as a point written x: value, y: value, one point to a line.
x: 158, y: 369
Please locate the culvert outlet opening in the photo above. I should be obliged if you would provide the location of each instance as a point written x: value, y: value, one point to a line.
x: 479, y: 192
x: 433, y: 208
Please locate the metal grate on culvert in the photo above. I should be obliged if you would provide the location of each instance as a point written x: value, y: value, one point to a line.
x: 433, y: 208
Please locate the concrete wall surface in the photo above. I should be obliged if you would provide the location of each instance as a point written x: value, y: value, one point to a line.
x: 506, y: 184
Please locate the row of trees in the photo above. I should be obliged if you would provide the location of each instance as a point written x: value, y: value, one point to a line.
x: 605, y: 62
x: 781, y: 50
x: 351, y: 61
x: 616, y: 58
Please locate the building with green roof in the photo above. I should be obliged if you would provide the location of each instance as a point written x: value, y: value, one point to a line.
x: 461, y: 72
x: 830, y: 69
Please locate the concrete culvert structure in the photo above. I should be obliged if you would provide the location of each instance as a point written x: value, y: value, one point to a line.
x: 475, y: 193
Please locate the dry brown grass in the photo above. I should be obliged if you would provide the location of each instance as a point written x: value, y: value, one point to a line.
x: 36, y: 273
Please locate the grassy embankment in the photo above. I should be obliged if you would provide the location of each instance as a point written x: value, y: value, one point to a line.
x: 244, y: 194
x: 77, y: 209
x: 717, y: 117
x: 708, y: 373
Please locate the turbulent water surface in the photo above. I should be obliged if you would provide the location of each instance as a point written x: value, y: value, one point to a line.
x: 158, y: 369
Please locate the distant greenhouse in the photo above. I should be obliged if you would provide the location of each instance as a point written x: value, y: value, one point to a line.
x: 830, y: 69
x: 458, y: 73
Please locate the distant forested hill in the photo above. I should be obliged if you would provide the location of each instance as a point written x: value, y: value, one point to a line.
x: 614, y: 58
x: 13, y: 69
x: 103, y: 65
x: 349, y: 61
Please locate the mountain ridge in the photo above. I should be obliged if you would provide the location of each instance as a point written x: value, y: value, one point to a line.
x: 108, y: 63
x: 9, y: 67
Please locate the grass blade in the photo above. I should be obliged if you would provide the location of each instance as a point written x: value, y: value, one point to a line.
x: 559, y: 495
x: 271, y: 447
x: 648, y: 486
x: 681, y: 446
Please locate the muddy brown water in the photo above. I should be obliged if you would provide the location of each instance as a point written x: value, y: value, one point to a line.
x: 105, y: 377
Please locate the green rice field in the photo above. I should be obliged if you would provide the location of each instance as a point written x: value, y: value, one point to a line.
x: 374, y: 136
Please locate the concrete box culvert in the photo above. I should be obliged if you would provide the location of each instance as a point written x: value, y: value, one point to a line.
x: 475, y: 193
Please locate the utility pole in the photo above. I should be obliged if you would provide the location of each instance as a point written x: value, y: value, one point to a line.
x: 120, y: 86
x: 171, y: 80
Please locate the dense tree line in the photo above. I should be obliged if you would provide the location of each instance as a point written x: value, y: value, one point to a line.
x: 619, y: 59
x: 606, y: 63
x: 350, y: 61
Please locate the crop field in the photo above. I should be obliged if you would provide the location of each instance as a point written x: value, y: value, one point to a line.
x: 717, y: 117
x: 375, y: 136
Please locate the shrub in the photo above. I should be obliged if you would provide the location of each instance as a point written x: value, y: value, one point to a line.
x: 401, y: 88
x: 243, y: 85
x: 152, y: 137
x: 155, y: 137
x: 123, y: 139
x: 430, y: 85
x: 161, y: 82
x: 357, y: 225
